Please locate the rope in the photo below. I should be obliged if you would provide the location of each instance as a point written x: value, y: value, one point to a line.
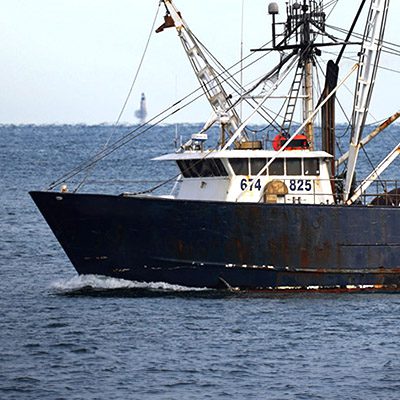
x: 239, y: 88
x: 127, y: 97
x: 373, y: 167
x: 143, y: 128
x: 140, y: 65
x: 388, y: 47
x: 127, y: 138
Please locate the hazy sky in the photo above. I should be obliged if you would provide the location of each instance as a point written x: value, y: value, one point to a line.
x: 72, y: 61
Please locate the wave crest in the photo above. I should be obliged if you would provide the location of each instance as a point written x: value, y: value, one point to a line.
x: 104, y: 283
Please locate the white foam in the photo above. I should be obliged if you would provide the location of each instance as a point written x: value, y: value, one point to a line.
x: 98, y: 282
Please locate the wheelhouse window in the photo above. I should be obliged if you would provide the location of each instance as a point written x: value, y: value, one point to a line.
x: 240, y: 166
x: 277, y: 167
x: 257, y: 164
x: 293, y: 166
x: 311, y: 166
x: 219, y: 167
x: 202, y: 168
x: 184, y: 168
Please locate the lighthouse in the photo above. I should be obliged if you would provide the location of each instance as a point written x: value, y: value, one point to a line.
x: 141, y: 114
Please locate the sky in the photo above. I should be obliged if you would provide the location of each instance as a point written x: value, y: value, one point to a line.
x: 73, y: 61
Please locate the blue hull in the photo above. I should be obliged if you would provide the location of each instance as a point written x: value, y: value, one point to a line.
x: 220, y: 244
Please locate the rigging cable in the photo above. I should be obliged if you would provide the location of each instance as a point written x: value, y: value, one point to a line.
x: 386, y: 48
x: 231, y: 76
x: 241, y: 60
x: 373, y: 167
x: 127, y: 97
x: 129, y: 139
x: 140, y: 64
x: 134, y: 133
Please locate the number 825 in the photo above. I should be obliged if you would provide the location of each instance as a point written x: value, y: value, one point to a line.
x: 300, y: 185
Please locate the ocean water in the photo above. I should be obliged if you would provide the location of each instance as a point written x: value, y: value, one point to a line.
x: 69, y: 337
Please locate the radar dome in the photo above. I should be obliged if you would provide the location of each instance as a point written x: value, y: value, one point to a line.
x: 273, y: 8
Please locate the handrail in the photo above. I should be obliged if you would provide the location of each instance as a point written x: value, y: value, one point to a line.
x: 385, y: 192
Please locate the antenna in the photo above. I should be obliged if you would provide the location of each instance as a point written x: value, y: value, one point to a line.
x: 273, y: 10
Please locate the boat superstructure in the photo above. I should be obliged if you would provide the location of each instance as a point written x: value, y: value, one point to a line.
x: 242, y: 176
x: 245, y: 212
x: 293, y: 168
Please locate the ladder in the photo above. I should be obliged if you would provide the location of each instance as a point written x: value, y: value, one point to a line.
x: 292, y: 100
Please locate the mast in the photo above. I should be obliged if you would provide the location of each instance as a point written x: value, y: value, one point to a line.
x: 305, y: 19
x: 308, y: 59
x: 308, y: 102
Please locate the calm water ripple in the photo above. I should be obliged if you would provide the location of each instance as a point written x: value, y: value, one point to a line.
x: 69, y: 337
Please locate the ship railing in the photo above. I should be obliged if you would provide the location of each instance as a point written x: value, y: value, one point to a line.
x: 382, y: 192
x: 131, y: 187
x: 330, y: 191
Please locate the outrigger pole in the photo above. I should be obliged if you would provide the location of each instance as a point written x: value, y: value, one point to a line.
x: 372, y: 135
x: 366, y: 183
x: 369, y: 59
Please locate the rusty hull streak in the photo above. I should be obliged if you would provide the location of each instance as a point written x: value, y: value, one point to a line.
x: 240, y: 250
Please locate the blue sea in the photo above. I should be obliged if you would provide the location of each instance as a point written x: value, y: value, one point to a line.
x: 68, y: 337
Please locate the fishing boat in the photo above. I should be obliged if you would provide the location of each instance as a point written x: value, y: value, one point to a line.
x: 247, y: 213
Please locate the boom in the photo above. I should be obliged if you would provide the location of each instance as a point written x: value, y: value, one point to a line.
x: 207, y: 76
x: 369, y: 58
